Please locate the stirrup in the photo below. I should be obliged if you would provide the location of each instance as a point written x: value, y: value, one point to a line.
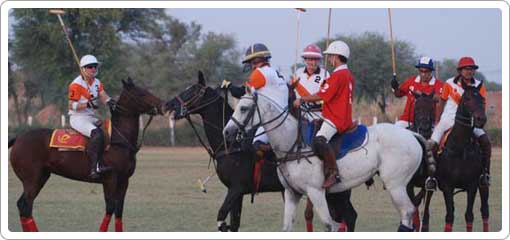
x: 329, y: 183
x: 431, y: 184
x: 485, y: 180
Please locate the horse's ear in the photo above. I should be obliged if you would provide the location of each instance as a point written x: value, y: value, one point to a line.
x: 130, y: 81
x: 201, y: 79
x: 248, y: 90
x: 123, y: 83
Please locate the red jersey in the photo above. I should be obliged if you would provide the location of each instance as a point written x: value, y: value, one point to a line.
x: 336, y: 92
x: 411, y: 85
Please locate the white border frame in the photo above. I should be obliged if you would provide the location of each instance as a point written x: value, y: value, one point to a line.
x: 503, y: 6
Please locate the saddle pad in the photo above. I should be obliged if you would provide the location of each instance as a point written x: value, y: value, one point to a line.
x: 351, y: 140
x: 67, y: 139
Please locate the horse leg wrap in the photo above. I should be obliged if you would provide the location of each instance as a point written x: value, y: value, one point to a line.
x: 309, y: 226
x: 448, y: 227
x: 416, y: 220
x: 28, y: 224
x: 469, y: 227
x: 485, y: 224
x: 343, y: 226
x: 105, y: 223
x: 403, y: 228
x: 118, y: 225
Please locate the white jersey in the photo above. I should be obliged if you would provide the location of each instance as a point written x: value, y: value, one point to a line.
x: 309, y: 84
x: 270, y: 83
x: 82, y: 92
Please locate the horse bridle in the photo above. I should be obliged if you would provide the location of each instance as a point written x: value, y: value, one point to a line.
x: 251, y: 114
x: 123, y: 110
x: 184, y: 105
x: 463, y: 120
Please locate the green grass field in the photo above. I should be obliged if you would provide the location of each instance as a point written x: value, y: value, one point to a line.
x: 163, y: 196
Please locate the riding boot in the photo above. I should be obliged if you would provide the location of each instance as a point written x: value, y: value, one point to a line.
x: 95, y: 150
x: 330, y: 168
x: 485, y: 147
x: 327, y: 154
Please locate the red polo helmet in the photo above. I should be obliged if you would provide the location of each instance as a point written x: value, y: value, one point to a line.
x: 466, y: 62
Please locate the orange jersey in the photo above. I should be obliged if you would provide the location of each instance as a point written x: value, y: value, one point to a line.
x: 411, y: 85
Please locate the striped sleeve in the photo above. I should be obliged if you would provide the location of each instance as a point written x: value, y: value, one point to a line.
x: 257, y: 79
x: 75, y: 92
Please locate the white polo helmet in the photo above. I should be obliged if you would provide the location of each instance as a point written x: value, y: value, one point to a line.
x: 87, y: 60
x: 338, y: 48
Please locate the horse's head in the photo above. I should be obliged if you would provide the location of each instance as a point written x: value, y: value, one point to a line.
x: 136, y: 100
x: 471, y: 108
x: 192, y: 99
x: 423, y: 114
x: 244, y: 118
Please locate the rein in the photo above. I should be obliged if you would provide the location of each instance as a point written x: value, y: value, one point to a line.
x: 185, y: 112
x: 289, y: 155
x: 124, y: 111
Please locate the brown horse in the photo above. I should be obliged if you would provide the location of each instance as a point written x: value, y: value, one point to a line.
x: 34, y: 161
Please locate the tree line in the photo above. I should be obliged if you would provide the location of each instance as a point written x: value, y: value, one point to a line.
x: 163, y: 54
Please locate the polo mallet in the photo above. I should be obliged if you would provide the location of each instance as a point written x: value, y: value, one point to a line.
x: 327, y: 45
x: 76, y: 59
x: 392, y: 46
x: 201, y: 184
x: 299, y: 11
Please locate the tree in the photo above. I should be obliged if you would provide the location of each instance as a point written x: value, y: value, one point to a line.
x: 370, y: 63
x: 40, y: 50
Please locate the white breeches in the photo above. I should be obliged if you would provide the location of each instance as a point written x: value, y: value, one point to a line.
x: 83, y: 123
x: 327, y: 130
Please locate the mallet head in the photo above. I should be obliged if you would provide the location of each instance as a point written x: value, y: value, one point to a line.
x: 57, y: 11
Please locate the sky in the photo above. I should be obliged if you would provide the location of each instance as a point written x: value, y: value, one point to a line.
x: 439, y: 33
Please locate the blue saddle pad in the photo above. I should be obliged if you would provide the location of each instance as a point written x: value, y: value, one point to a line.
x: 351, y: 140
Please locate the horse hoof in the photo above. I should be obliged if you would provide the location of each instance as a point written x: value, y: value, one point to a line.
x: 403, y: 228
x: 223, y: 227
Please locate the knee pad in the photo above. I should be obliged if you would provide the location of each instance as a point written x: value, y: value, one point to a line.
x: 97, y: 134
x: 318, y: 143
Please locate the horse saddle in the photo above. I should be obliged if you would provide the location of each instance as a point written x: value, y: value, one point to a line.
x: 442, y: 143
x: 351, y: 140
x: 68, y: 139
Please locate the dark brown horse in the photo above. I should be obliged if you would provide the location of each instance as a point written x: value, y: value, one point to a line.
x: 459, y: 164
x: 34, y: 161
x: 235, y: 169
x: 424, y: 115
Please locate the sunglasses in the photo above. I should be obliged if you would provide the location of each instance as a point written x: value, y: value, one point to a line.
x: 313, y: 59
x: 469, y: 68
x: 424, y: 71
x: 91, y: 66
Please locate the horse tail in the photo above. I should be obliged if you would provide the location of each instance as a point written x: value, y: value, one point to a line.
x: 11, y: 142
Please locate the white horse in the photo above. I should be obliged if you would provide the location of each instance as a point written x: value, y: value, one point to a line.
x: 392, y: 151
